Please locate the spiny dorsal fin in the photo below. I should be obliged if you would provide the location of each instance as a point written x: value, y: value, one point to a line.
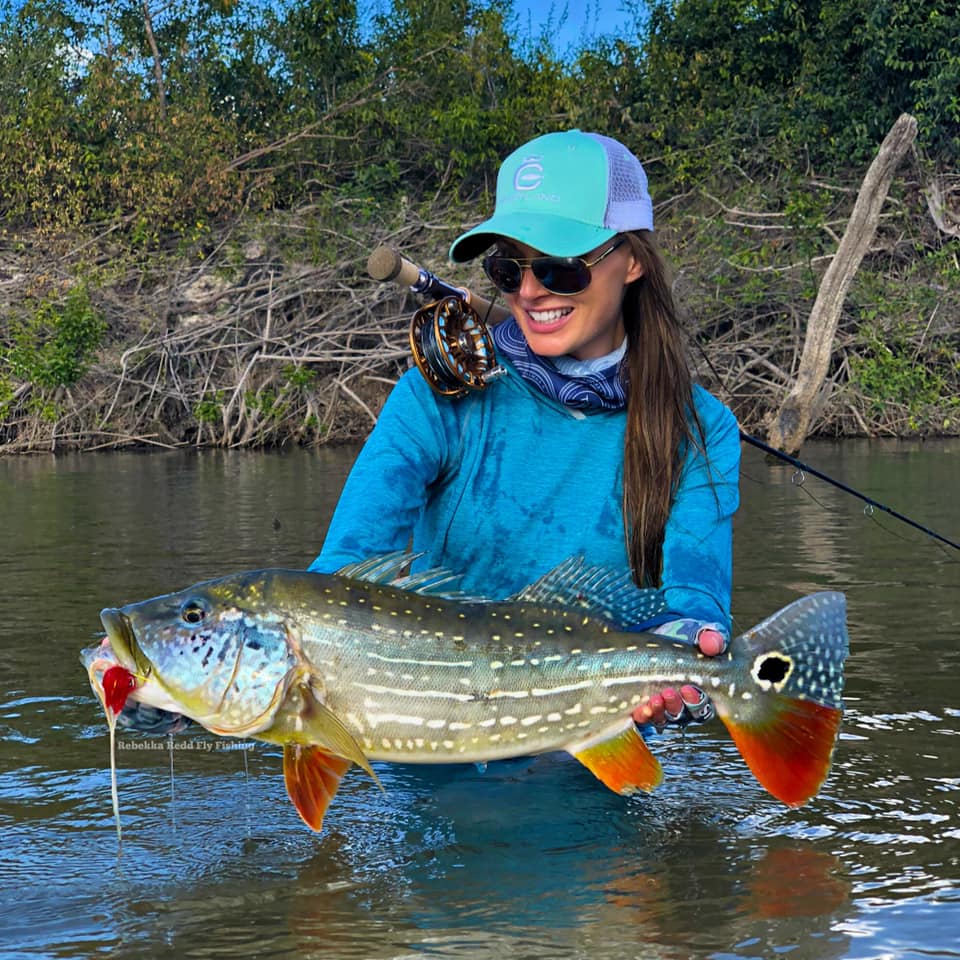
x: 388, y: 570
x: 436, y: 582
x: 603, y: 591
x: 380, y: 569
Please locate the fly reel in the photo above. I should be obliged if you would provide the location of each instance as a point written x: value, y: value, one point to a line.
x: 452, y: 347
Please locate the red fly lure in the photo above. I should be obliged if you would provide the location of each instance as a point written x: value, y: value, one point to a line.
x: 118, y: 684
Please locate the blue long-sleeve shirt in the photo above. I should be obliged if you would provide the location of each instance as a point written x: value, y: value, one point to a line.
x: 503, y: 484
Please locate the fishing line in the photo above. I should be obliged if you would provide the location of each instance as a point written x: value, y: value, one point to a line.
x: 173, y: 805
x: 798, y: 479
x: 870, y: 515
x: 805, y: 468
x: 114, y: 795
x: 246, y: 794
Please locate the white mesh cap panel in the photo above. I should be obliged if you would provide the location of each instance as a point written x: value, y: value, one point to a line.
x: 629, y: 206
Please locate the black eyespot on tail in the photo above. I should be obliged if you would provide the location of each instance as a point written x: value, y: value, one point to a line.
x: 774, y: 668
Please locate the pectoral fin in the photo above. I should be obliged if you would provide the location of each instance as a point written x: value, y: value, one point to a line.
x: 622, y: 761
x: 312, y: 777
x: 334, y: 735
x: 303, y: 719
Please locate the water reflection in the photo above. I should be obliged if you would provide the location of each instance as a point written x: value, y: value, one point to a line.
x: 530, y: 859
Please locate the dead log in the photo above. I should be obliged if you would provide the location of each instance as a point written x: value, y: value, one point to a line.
x: 790, y: 424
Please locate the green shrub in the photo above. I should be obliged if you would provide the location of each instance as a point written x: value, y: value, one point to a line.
x: 892, y: 373
x: 53, y: 347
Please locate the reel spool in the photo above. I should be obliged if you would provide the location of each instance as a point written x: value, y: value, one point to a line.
x: 452, y: 347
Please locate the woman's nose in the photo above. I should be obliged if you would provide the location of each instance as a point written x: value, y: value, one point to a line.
x: 530, y: 286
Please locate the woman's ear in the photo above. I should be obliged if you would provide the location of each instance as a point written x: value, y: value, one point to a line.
x: 635, y: 268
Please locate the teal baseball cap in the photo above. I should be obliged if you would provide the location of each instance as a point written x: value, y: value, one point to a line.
x: 563, y: 194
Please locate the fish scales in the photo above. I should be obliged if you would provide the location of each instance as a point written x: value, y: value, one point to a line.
x: 348, y: 669
x: 435, y: 681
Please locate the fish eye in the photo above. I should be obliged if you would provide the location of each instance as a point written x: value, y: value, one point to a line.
x: 193, y: 612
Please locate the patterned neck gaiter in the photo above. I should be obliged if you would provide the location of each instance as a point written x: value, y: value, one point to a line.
x: 601, y: 389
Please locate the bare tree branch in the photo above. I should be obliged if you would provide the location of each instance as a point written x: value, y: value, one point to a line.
x: 790, y: 425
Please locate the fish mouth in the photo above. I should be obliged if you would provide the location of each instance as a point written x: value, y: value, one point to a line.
x: 136, y: 715
x: 123, y: 642
x: 98, y: 657
x: 97, y: 660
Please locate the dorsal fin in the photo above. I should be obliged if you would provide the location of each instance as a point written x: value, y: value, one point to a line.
x: 389, y: 570
x: 436, y: 581
x: 603, y: 591
x: 380, y: 569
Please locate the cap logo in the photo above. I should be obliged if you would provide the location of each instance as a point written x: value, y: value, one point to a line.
x: 529, y: 174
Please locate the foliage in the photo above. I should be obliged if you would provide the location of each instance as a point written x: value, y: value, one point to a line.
x: 157, y: 137
x: 53, y: 346
x: 157, y: 117
x: 822, y: 81
x: 889, y: 372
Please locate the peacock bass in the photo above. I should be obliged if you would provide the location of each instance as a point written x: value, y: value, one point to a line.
x: 362, y: 665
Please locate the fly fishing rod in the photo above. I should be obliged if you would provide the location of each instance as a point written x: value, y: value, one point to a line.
x: 873, y: 504
x: 453, y: 349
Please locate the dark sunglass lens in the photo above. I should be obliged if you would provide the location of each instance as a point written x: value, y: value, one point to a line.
x: 562, y: 275
x: 504, y: 273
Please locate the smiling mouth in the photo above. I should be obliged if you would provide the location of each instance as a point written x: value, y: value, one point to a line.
x: 549, y: 318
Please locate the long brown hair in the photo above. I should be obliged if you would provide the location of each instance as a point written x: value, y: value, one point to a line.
x: 661, y: 420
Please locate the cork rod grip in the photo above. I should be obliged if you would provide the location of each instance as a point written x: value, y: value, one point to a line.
x: 386, y: 263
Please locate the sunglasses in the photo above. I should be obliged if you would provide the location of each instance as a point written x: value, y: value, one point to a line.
x: 565, y: 276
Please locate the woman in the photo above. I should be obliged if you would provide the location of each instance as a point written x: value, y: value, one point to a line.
x: 596, y: 443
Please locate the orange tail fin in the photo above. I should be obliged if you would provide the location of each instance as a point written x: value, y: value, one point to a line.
x: 623, y: 762
x: 312, y: 777
x: 784, y: 709
x: 790, y: 753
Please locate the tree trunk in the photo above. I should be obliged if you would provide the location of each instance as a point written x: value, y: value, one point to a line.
x: 789, y: 426
x: 157, y: 64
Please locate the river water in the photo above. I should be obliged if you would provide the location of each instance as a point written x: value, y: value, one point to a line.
x: 527, y: 859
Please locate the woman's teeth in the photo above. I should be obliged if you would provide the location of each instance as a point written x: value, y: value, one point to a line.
x: 548, y: 316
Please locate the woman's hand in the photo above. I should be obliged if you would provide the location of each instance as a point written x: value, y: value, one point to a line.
x: 689, y: 704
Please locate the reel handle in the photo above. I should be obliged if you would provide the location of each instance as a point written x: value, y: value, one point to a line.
x: 386, y: 263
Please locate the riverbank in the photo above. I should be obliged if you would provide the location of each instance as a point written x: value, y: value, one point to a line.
x: 268, y: 332
x: 183, y: 234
